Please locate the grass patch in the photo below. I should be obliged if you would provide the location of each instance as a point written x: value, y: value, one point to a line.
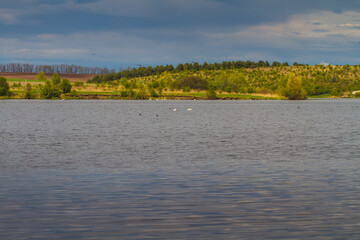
x: 186, y: 94
x: 246, y: 97
x: 321, y: 96
x: 97, y: 92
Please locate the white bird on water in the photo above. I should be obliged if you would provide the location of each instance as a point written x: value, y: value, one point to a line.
x: 189, y: 109
x: 174, y: 110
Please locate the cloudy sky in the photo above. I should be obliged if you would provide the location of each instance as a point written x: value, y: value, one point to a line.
x: 121, y: 33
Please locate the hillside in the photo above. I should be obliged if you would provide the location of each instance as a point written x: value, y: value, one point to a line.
x: 315, y: 80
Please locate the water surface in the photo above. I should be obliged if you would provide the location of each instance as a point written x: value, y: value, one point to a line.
x: 138, y: 170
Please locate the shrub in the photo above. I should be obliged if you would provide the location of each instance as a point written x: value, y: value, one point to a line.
x: 129, y: 93
x: 186, y: 89
x: 65, y: 86
x: 78, y: 84
x: 16, y: 85
x: 153, y: 93
x: 192, y: 82
x: 49, y: 91
x: 124, y: 94
x: 29, y: 95
x: 211, y: 93
x: 4, y: 87
x: 141, y: 93
x: 55, y: 79
x: 73, y: 93
x: 28, y: 92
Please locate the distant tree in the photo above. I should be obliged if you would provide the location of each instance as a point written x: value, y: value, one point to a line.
x: 169, y: 68
x: 276, y: 64
x: 4, y: 87
x: 65, y: 86
x: 55, y: 79
x: 187, y: 66
x: 41, y: 76
x: 196, y: 66
x: 261, y: 64
x: 205, y: 65
x: 180, y: 67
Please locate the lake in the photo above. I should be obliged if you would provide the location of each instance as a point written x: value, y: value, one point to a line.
x: 141, y: 170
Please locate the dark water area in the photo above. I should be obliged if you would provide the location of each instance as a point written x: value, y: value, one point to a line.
x: 139, y: 170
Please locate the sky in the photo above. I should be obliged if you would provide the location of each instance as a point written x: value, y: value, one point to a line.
x: 122, y: 33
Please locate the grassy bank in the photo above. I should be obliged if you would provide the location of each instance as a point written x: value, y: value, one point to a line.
x: 20, y: 87
x: 80, y: 94
x: 83, y: 94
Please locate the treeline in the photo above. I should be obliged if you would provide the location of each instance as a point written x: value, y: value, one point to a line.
x: 50, y: 69
x: 193, y: 67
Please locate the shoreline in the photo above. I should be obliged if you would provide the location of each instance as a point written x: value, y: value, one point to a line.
x: 170, y: 98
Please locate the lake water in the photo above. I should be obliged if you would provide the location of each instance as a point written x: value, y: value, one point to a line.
x: 139, y: 170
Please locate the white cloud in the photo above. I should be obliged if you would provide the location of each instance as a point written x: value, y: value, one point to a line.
x: 324, y: 63
x: 317, y: 28
x: 46, y: 37
x: 9, y: 16
x: 349, y: 25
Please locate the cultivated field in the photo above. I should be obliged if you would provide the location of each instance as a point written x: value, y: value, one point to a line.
x: 32, y: 76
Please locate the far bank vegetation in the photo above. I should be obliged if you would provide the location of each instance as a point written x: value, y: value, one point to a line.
x: 227, y: 80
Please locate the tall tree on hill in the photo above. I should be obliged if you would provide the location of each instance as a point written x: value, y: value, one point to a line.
x: 294, y: 89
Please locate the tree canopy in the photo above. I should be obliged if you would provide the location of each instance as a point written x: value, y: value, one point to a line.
x: 294, y: 89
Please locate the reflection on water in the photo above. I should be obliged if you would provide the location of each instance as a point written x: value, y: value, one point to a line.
x: 241, y: 170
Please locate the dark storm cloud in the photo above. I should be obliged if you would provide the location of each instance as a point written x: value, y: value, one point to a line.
x: 67, y: 16
x: 171, y: 31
